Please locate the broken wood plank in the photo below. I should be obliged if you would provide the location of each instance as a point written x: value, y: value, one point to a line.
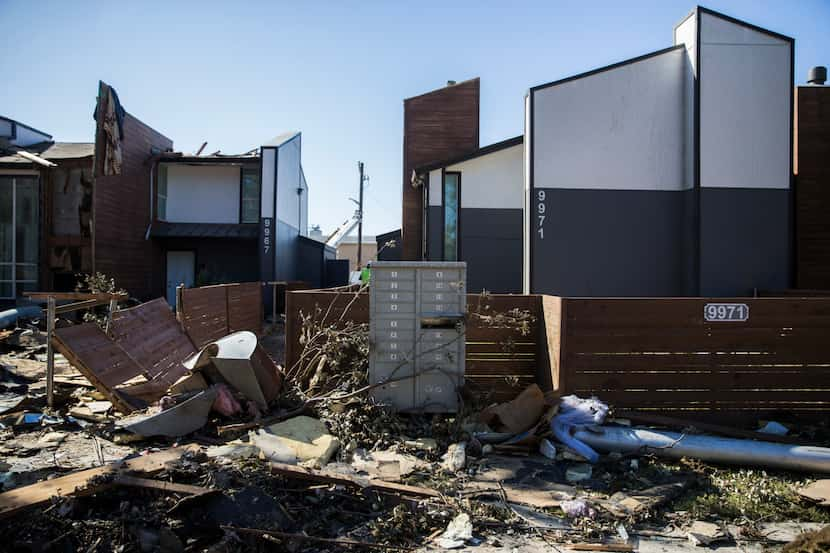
x: 622, y: 547
x: 172, y: 487
x: 265, y: 534
x: 302, y: 473
x: 85, y: 482
x: 75, y: 296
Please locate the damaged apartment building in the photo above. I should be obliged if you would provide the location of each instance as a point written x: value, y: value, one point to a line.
x: 45, y: 210
x: 669, y: 174
x: 133, y: 208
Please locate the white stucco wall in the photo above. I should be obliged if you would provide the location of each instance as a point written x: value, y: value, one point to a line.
x: 435, y: 188
x: 269, y: 169
x: 202, y: 193
x: 745, y: 89
x: 288, y: 180
x: 619, y: 129
x: 686, y: 34
x: 493, y: 180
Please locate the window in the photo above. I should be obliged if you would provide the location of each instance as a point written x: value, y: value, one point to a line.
x: 19, y: 235
x: 250, y: 195
x: 451, y: 193
x: 161, y: 194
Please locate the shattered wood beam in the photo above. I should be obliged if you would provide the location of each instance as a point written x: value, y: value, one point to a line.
x: 75, y: 296
x: 266, y: 534
x: 86, y: 482
x: 301, y: 473
x: 172, y: 487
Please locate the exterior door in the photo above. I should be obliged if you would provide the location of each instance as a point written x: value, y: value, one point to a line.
x: 181, y: 269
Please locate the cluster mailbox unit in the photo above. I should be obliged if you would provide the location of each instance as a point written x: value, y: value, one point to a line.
x: 416, y: 334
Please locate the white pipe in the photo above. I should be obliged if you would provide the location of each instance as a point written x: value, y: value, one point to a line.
x: 708, y: 448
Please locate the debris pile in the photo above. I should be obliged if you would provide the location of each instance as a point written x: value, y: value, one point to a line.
x: 305, y: 460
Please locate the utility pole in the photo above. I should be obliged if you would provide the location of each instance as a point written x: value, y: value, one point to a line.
x: 360, y: 218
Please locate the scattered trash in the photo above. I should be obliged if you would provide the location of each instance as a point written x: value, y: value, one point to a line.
x: 578, y: 473
x: 702, y: 533
x: 818, y: 491
x: 458, y: 532
x: 576, y: 413
x: 306, y: 438
x: 455, y: 458
x: 179, y: 420
x: 518, y: 415
x: 225, y: 403
x: 547, y: 449
x: 243, y: 364
x: 422, y: 444
x: 577, y: 508
x: 774, y: 428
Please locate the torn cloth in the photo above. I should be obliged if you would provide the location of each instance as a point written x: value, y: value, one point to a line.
x: 576, y: 413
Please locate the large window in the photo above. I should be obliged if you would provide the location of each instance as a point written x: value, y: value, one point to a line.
x: 452, y: 194
x: 250, y: 195
x: 18, y: 235
x: 161, y: 195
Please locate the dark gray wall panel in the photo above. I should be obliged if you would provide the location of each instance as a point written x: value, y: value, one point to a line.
x: 435, y: 233
x: 491, y: 244
x: 745, y: 240
x: 286, y: 249
x: 611, y: 243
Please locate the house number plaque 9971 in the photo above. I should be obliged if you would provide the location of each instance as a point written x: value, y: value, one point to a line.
x: 716, y: 312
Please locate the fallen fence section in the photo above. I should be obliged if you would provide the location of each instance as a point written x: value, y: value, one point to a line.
x: 140, y: 359
x: 639, y: 354
x: 211, y: 312
x: 661, y: 354
x: 506, y: 342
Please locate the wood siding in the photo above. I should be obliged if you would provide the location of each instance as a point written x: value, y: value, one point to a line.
x: 812, y: 186
x: 438, y: 125
x: 121, y: 213
x: 661, y: 355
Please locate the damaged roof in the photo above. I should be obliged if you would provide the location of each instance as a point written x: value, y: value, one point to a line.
x: 47, y: 150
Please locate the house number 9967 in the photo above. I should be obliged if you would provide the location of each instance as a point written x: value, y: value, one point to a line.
x: 714, y: 312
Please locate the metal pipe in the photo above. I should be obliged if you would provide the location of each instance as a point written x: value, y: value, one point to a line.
x: 9, y: 317
x: 729, y: 451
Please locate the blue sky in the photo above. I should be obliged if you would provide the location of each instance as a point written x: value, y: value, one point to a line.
x: 238, y: 73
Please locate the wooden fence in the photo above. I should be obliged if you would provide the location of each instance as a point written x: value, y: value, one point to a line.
x: 659, y: 354
x: 210, y: 312
x: 501, y: 360
x: 645, y: 354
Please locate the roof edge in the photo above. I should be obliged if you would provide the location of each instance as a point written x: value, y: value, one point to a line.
x: 483, y: 151
x: 742, y: 23
x: 603, y: 69
x: 435, y: 91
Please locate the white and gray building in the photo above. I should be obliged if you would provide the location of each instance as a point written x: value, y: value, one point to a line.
x: 474, y: 214
x: 665, y: 175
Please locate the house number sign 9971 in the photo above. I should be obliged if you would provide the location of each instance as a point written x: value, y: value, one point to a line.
x: 715, y: 312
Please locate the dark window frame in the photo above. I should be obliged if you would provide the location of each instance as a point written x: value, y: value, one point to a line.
x: 256, y: 171
x: 444, y: 174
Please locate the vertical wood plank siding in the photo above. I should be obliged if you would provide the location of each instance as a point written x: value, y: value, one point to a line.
x: 437, y: 125
x: 812, y: 186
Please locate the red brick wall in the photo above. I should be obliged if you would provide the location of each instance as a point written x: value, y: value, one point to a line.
x: 437, y: 125
x: 121, y: 211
